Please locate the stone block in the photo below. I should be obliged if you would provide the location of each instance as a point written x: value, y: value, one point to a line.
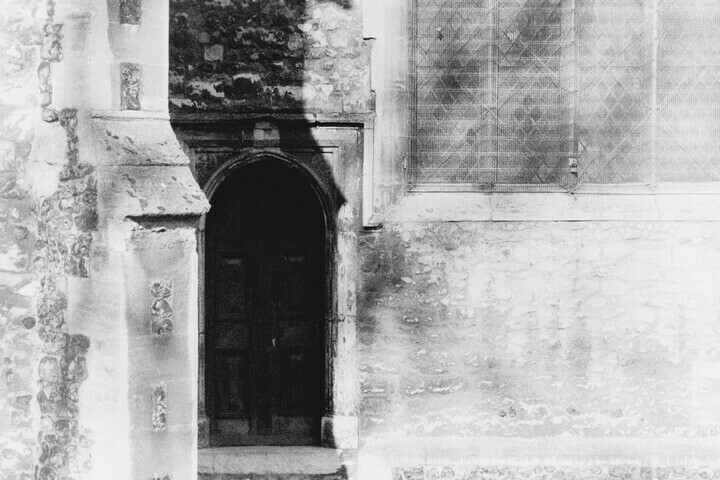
x: 130, y: 86
x: 339, y: 431
x: 131, y: 12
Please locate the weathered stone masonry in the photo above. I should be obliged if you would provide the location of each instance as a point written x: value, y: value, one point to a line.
x: 67, y: 219
x: 19, y: 343
x: 498, y: 336
x: 299, y: 55
x: 547, y: 472
x: 64, y: 333
x: 55, y: 236
x: 288, y: 78
x: 462, y: 311
x: 66, y: 222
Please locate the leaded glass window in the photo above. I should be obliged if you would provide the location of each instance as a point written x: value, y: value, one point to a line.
x: 556, y: 93
x: 688, y: 90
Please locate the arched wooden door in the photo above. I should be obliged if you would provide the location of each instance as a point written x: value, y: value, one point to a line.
x: 265, y: 308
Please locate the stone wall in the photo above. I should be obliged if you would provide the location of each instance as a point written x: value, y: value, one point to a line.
x: 540, y: 329
x: 571, y: 336
x: 546, y: 472
x: 332, y: 158
x: 529, y: 336
x: 548, y: 335
x: 64, y: 398
x: 20, y: 347
x: 385, y: 21
x: 48, y: 218
x: 299, y: 55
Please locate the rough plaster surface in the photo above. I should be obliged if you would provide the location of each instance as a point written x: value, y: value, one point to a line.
x: 540, y: 329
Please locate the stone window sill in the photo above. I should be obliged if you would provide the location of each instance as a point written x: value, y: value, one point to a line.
x: 692, y: 202
x: 269, y: 460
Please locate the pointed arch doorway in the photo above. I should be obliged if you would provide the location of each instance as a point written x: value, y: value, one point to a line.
x: 268, y: 249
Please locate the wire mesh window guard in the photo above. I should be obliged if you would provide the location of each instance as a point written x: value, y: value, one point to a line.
x: 688, y: 90
x: 548, y: 94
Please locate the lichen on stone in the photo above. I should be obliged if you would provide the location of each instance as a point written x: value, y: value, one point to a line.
x: 161, y: 309
x: 51, y: 51
x: 130, y: 86
x: 131, y: 11
x: 160, y: 408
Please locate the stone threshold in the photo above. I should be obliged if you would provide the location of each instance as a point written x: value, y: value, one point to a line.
x: 270, y: 460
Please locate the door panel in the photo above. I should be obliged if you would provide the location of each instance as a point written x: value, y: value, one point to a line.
x: 266, y: 337
x: 231, y: 284
x: 231, y: 383
x: 296, y: 326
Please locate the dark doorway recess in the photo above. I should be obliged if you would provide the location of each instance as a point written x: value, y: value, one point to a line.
x: 266, y: 303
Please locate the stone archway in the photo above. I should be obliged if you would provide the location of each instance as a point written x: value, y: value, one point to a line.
x: 334, y: 427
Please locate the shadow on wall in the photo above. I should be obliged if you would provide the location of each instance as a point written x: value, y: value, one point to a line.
x: 275, y: 61
x: 245, y: 78
x: 273, y: 55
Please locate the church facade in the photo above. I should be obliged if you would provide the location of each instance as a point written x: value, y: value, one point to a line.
x: 328, y: 239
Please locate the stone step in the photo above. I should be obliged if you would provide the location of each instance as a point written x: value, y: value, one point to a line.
x: 341, y: 475
x: 270, y: 463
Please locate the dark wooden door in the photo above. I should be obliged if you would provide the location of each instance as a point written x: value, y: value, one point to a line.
x: 265, y: 305
x: 265, y: 341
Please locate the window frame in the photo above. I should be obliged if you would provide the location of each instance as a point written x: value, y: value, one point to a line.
x: 652, y: 177
x: 411, y: 171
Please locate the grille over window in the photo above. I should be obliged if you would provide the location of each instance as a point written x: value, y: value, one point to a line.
x: 553, y: 93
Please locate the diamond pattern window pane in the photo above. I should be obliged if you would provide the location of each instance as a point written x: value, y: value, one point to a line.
x: 532, y: 120
x: 454, y: 109
x: 489, y: 108
x: 614, y: 97
x: 688, y: 132
x: 503, y: 88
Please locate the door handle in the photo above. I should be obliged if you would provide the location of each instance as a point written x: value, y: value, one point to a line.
x: 274, y: 342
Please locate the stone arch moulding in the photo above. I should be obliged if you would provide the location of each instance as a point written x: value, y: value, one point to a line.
x: 339, y: 424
